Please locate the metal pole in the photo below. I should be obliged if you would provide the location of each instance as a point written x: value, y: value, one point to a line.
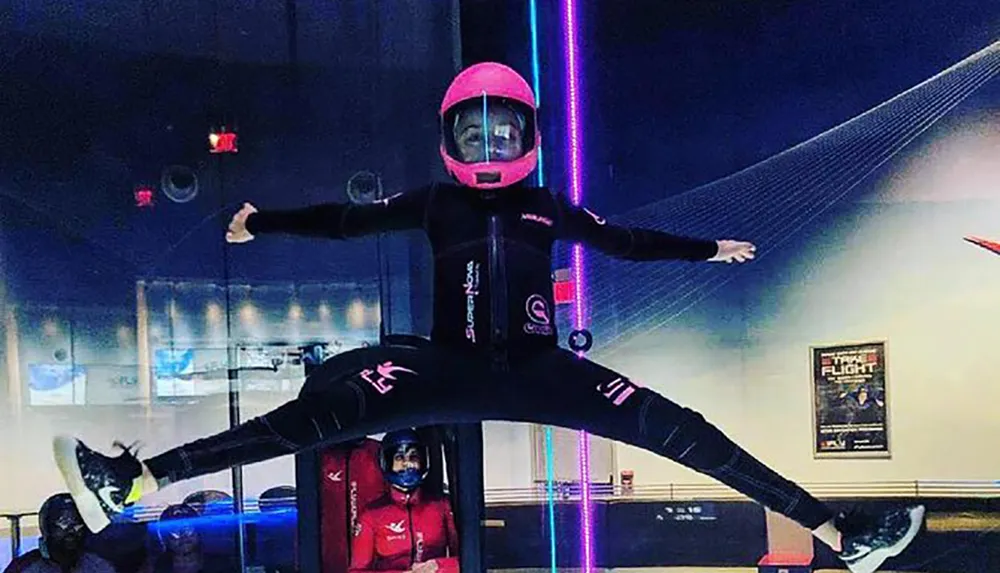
x: 233, y: 375
x: 308, y: 498
x: 15, y: 536
x: 471, y: 503
x: 232, y: 366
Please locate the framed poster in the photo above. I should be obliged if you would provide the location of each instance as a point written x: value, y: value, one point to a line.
x: 850, y: 413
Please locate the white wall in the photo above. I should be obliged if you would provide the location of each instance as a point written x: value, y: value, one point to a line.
x: 507, y: 455
x: 897, y: 270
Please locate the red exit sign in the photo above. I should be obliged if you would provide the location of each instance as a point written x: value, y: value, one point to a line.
x: 222, y: 142
x: 563, y: 287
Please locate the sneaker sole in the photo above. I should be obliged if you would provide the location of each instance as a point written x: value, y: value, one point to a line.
x: 64, y: 448
x: 871, y: 562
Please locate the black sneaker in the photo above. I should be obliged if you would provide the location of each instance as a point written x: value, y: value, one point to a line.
x: 99, y: 484
x: 867, y: 541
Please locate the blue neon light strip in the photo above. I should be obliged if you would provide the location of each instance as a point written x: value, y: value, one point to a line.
x: 550, y: 472
x: 550, y: 495
x: 535, y: 74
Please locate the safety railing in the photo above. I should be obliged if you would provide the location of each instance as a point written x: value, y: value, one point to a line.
x: 569, y: 492
x: 15, y: 524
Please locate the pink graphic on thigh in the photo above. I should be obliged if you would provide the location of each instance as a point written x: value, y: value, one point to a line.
x: 618, y: 390
x: 385, y: 371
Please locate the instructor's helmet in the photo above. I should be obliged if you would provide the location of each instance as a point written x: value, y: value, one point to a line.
x: 176, y: 529
x: 405, y: 460
x: 63, y: 530
x: 489, y: 135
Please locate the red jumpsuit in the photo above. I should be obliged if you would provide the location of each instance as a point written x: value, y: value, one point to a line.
x: 350, y: 481
x: 402, y: 529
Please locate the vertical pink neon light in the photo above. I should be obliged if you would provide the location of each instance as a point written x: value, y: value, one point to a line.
x: 576, y: 195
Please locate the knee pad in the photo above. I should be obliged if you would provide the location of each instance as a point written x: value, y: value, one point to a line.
x: 684, y: 436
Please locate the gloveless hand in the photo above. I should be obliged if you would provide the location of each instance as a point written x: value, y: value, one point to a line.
x: 237, y: 232
x: 729, y: 251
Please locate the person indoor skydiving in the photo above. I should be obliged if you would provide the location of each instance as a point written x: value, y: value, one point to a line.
x: 408, y: 529
x: 493, y: 353
x: 62, y: 547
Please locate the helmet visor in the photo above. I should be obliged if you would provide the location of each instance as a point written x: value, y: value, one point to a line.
x: 489, y: 129
x: 405, y: 465
x: 405, y: 456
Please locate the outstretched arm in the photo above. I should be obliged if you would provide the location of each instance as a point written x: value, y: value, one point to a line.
x: 335, y: 220
x: 635, y: 244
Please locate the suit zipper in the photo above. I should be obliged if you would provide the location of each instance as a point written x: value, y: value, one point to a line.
x: 498, y: 284
x: 347, y: 498
x: 413, y: 539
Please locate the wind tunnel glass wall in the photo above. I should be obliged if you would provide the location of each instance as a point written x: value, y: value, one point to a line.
x: 854, y: 147
x: 132, y: 132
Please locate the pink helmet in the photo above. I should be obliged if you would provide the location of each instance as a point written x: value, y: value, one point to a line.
x: 490, y: 82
